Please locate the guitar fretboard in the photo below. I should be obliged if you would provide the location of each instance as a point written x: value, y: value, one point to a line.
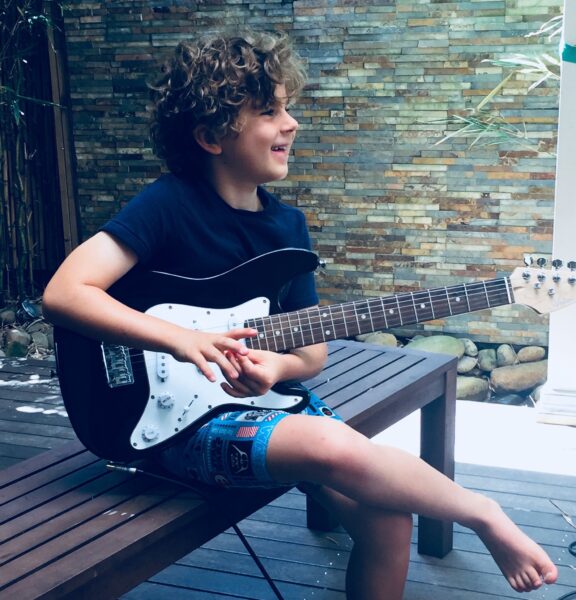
x: 321, y: 324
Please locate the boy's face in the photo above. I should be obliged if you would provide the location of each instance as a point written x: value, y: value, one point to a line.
x: 259, y: 152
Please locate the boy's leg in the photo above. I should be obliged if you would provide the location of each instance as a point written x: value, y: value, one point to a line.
x: 379, y: 559
x: 330, y: 453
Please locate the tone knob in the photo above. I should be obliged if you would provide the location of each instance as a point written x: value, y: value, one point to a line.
x: 165, y: 400
x: 150, y: 433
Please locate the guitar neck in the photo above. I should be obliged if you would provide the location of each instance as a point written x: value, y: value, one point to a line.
x: 285, y: 331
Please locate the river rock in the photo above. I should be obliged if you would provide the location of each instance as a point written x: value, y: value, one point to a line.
x: 7, y: 316
x: 16, y: 342
x: 472, y: 388
x: 466, y: 364
x: 470, y: 348
x: 487, y: 359
x: 442, y: 344
x: 518, y: 378
x: 505, y: 355
x: 531, y: 354
x: 40, y: 340
x: 512, y: 400
x: 379, y: 337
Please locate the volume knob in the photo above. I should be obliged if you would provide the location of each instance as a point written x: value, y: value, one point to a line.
x: 150, y: 433
x: 165, y: 400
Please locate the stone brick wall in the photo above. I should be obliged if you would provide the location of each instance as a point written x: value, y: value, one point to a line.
x: 389, y: 210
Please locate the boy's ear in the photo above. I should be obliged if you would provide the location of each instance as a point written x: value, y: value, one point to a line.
x: 207, y: 140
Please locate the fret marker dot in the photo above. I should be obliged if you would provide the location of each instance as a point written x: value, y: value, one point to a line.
x: 328, y: 332
x: 363, y: 317
x: 276, y: 332
x: 295, y: 328
x: 422, y: 306
x: 457, y: 298
x: 391, y: 311
x: 324, y: 315
x: 261, y: 335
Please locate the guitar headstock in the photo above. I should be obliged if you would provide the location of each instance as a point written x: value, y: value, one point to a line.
x: 545, y: 290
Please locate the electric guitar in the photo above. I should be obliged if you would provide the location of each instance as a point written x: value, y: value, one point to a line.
x: 125, y: 403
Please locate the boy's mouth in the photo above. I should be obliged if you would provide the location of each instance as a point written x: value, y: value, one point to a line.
x: 279, y: 148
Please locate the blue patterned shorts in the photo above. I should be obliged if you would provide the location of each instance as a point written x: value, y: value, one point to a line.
x: 230, y: 450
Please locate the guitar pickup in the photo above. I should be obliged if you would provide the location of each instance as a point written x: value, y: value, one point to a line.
x: 162, y: 366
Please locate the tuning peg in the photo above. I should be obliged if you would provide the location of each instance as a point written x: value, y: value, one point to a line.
x: 572, y: 277
x: 528, y: 260
x: 541, y: 262
x: 556, y: 264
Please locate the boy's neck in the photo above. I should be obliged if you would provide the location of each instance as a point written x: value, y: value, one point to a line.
x: 236, y: 194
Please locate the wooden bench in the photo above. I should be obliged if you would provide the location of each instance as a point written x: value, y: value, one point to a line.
x: 71, y: 528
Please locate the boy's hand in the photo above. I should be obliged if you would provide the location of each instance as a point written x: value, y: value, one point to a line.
x: 201, y: 348
x: 258, y: 372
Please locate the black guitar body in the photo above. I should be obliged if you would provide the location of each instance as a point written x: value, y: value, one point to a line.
x: 104, y: 417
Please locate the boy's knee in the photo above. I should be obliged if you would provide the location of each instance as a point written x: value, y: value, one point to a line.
x: 333, y: 446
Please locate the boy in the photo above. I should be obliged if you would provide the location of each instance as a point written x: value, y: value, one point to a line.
x: 222, y: 124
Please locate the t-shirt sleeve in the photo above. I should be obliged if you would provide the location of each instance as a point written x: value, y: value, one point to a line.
x: 143, y: 223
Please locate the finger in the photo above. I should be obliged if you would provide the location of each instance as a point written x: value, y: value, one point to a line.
x: 236, y: 391
x: 227, y: 368
x: 204, y: 368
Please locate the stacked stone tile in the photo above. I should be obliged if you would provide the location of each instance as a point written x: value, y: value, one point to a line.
x: 388, y: 209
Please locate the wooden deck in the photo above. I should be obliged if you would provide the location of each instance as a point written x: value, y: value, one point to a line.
x: 305, y: 564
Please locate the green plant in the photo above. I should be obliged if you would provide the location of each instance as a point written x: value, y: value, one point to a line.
x: 485, y: 124
x: 24, y: 98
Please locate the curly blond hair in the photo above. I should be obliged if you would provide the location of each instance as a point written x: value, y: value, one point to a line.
x: 207, y: 82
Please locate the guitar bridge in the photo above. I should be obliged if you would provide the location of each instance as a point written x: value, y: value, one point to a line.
x: 118, y: 365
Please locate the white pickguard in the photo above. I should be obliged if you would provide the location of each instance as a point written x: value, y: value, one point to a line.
x: 180, y: 394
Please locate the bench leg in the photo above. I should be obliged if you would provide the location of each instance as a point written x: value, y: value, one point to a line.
x: 317, y: 517
x: 437, y: 437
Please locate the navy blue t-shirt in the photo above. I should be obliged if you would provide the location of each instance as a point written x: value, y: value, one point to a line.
x: 186, y: 228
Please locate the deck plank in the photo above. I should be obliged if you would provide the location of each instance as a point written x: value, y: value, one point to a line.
x: 305, y: 564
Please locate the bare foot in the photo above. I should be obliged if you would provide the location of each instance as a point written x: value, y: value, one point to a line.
x: 523, y: 562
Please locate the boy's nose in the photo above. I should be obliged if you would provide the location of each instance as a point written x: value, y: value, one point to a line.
x: 291, y: 123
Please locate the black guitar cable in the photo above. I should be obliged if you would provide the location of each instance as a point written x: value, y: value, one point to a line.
x: 212, y: 498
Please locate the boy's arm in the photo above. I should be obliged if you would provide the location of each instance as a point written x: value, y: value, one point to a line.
x: 76, y: 298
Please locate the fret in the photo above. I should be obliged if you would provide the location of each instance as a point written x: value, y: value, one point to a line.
x: 445, y: 290
x: 275, y: 333
x: 363, y: 316
x: 486, y: 294
x: 296, y: 328
x: 422, y: 309
x: 407, y: 308
x: 344, y: 318
x: 384, y: 318
x: 312, y: 339
x: 291, y: 330
x: 431, y: 303
x: 255, y: 342
x: 377, y: 314
x: 456, y: 295
x: 478, y: 296
x: 340, y: 318
x: 465, y: 287
x: 327, y: 327
x: 392, y: 314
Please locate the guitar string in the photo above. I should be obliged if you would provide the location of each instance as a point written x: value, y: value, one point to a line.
x: 378, y: 310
